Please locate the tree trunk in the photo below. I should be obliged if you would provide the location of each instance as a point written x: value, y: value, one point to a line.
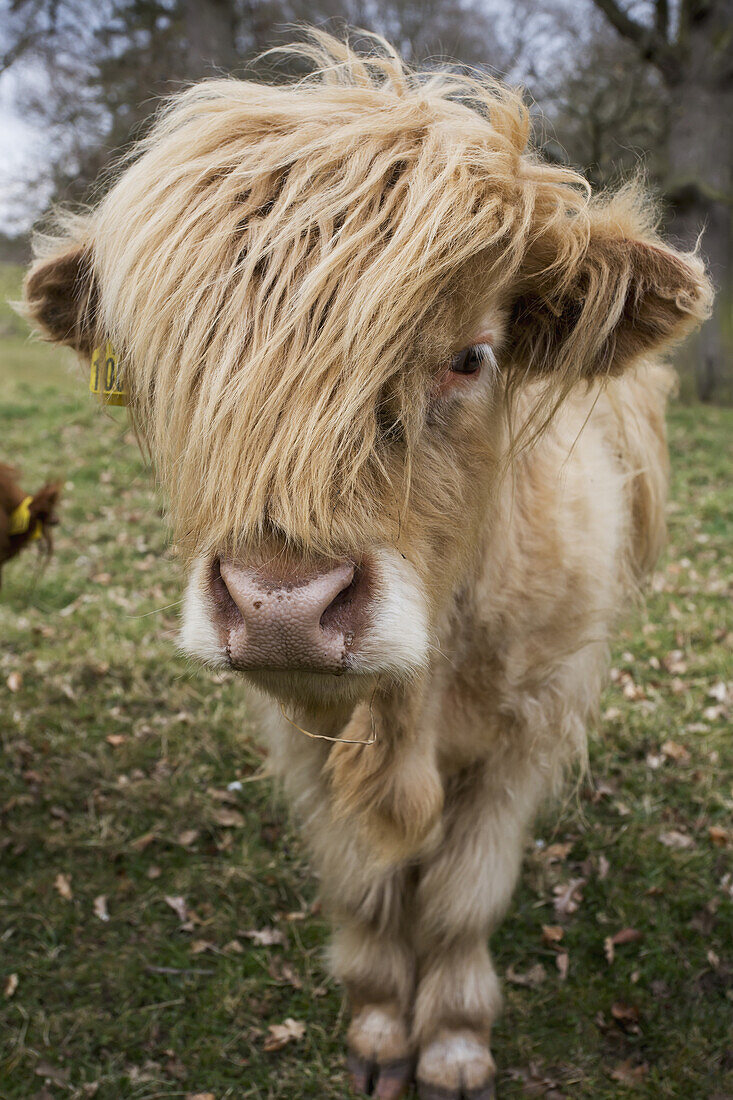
x: 210, y: 30
x: 700, y: 184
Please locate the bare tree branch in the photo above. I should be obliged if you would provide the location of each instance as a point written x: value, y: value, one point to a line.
x: 25, y: 14
x: 623, y: 23
x: 649, y: 42
x: 11, y: 55
x: 661, y: 18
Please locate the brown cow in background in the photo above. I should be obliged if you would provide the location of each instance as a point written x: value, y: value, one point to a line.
x: 24, y: 518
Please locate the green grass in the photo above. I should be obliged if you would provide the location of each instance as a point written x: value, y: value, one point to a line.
x: 115, y: 754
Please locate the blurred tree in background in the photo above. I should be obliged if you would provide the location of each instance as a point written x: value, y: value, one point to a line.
x: 620, y: 84
x: 689, y: 46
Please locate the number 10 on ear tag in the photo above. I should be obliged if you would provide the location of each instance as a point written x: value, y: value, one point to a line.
x: 105, y: 379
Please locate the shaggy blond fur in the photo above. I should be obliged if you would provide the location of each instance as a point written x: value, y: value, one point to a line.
x: 286, y: 272
x: 329, y: 223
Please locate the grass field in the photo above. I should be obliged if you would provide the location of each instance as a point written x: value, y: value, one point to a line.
x: 155, y: 923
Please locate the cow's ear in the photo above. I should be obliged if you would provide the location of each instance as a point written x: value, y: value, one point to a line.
x: 59, y: 297
x: 617, y: 300
x: 46, y: 499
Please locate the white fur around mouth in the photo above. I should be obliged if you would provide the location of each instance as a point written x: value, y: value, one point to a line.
x: 395, y: 643
x: 198, y: 637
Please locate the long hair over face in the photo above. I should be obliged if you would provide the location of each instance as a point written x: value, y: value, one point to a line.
x: 283, y: 270
x: 269, y: 262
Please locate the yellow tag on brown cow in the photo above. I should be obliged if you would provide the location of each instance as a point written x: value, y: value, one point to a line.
x: 19, y: 521
x: 105, y: 379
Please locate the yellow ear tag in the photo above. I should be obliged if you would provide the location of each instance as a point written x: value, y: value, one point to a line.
x: 105, y: 379
x: 20, y: 520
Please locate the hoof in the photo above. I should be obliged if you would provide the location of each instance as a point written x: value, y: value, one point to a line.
x: 385, y: 1081
x: 426, y: 1091
x: 456, y: 1065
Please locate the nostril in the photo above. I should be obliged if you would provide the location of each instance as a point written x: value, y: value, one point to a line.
x: 345, y: 609
x: 227, y: 610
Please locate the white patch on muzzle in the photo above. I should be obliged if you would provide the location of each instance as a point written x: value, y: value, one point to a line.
x: 198, y: 637
x: 395, y: 643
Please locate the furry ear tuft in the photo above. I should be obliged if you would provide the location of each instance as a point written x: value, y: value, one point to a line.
x: 623, y: 298
x: 669, y: 295
x: 44, y: 503
x: 60, y: 297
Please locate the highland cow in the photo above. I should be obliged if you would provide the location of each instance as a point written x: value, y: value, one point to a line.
x: 397, y: 378
x: 25, y: 518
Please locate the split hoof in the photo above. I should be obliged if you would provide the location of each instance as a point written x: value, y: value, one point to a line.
x: 426, y: 1091
x: 380, y: 1055
x: 385, y: 1081
x: 456, y: 1065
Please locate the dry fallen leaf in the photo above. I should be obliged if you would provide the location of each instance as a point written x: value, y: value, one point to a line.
x: 535, y: 1082
x: 265, y: 937
x: 676, y: 752
x: 14, y: 681
x: 552, y: 934
x: 719, y: 692
x: 626, y: 1015
x: 719, y: 836
x: 288, y: 975
x: 115, y: 739
x: 562, y: 962
x: 199, y: 946
x: 178, y: 905
x: 279, y: 1035
x: 225, y: 795
x: 674, y: 839
x: 557, y: 852
x: 188, y: 837
x: 100, y: 907
x: 631, y: 690
x: 627, y: 935
x: 189, y: 925
x: 675, y: 663
x: 230, y: 819
x: 174, y: 1067
x: 62, y: 884
x: 628, y: 1074
x: 142, y: 842
x: 568, y: 897
x: 533, y: 977
x: 52, y: 1073
x: 11, y: 984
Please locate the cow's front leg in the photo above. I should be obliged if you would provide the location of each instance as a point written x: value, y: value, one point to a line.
x: 368, y: 901
x: 371, y: 955
x: 462, y: 893
x: 386, y: 801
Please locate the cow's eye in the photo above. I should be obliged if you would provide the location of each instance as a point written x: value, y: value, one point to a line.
x: 470, y: 359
